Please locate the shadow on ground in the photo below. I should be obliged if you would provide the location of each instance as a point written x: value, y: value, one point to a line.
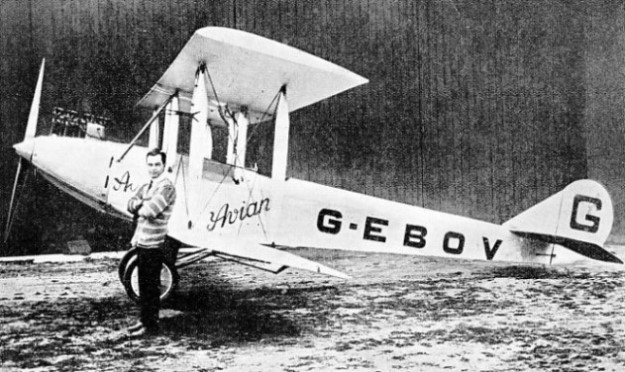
x: 234, y: 316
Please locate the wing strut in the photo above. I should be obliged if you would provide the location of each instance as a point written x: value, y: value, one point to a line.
x: 171, y: 128
x: 281, y: 138
x: 145, y: 127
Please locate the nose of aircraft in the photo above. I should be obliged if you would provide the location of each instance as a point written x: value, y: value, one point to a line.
x: 25, y: 149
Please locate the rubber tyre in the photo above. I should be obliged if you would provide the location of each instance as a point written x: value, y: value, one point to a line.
x: 123, y: 264
x: 169, y: 280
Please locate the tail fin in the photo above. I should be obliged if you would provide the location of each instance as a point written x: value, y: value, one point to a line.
x: 579, y: 218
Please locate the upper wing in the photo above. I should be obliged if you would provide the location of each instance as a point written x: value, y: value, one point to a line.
x: 248, y: 70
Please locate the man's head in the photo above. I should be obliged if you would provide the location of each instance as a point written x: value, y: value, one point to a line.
x: 155, y: 160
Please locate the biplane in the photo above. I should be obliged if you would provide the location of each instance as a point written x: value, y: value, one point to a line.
x: 230, y: 80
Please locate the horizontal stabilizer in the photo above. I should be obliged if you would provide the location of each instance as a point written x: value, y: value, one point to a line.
x: 579, y: 218
x: 589, y: 250
x: 248, y: 70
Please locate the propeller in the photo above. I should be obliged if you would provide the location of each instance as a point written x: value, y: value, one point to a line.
x: 25, y: 150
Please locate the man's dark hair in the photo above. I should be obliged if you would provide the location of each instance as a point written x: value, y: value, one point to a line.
x: 156, y: 151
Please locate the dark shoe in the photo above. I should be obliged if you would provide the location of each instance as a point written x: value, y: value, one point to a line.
x: 135, y: 327
x: 143, y: 332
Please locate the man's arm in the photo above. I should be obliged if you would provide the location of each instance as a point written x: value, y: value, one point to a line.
x: 134, y: 204
x: 163, y: 196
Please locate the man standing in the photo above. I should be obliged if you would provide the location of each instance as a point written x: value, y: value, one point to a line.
x: 152, y: 205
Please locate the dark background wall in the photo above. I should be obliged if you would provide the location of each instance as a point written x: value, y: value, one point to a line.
x: 481, y: 108
x: 604, y: 112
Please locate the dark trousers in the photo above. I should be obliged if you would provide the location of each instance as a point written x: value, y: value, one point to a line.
x: 150, y: 263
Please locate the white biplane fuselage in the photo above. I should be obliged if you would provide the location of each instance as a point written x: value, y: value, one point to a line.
x: 238, y: 212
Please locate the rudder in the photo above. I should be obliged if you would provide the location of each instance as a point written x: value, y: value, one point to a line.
x: 579, y: 217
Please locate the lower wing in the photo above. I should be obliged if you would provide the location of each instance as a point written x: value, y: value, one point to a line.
x: 266, y: 258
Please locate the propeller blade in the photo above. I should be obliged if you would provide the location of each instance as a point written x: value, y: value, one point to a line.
x: 9, y: 220
x: 31, y: 127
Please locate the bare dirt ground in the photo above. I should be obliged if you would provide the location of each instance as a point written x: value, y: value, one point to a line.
x: 397, y: 313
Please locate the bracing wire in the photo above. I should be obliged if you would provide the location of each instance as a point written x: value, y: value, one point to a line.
x: 221, y: 108
x: 184, y: 183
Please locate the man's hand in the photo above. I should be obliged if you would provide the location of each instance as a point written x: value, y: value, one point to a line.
x: 142, y: 212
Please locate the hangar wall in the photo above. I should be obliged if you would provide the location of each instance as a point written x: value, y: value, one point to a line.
x: 604, y: 112
x: 478, y: 108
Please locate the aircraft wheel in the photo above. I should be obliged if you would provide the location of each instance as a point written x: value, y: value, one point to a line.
x: 123, y: 264
x: 169, y: 279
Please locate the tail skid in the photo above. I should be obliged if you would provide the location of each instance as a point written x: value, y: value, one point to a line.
x: 579, y: 218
